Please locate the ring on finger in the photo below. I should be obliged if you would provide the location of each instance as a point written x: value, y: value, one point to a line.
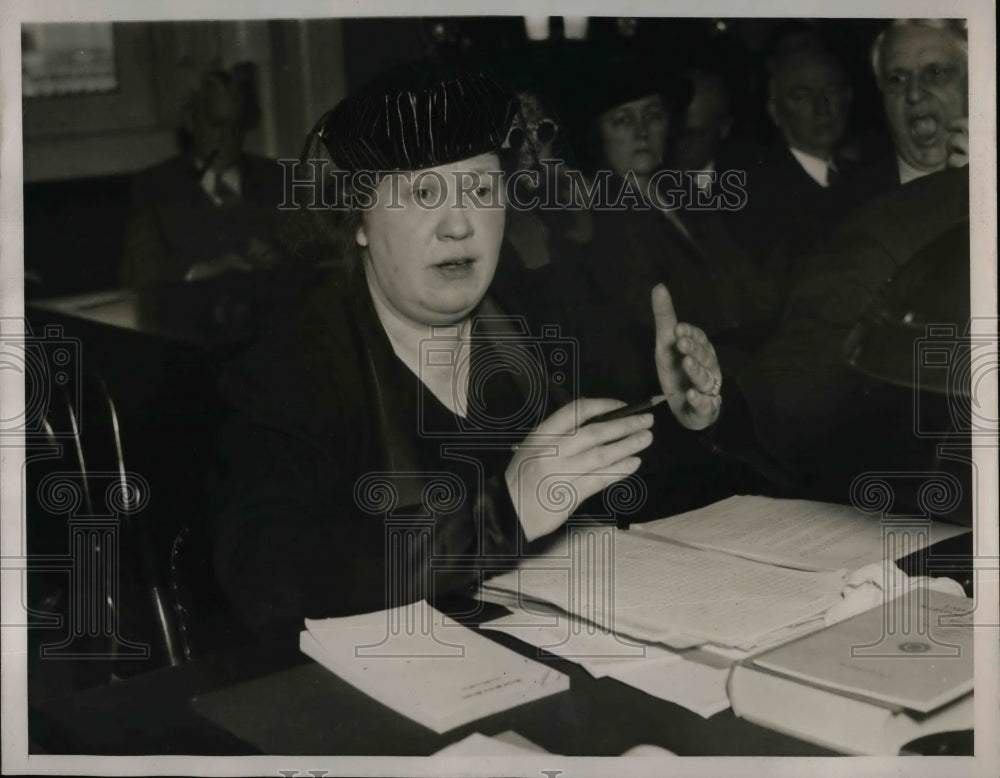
x: 716, y: 388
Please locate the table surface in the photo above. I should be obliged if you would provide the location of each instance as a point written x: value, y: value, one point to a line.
x: 270, y: 698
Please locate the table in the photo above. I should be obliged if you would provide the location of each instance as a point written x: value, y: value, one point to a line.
x: 276, y: 700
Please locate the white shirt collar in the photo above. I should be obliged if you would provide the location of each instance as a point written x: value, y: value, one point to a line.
x: 437, y: 355
x: 908, y: 173
x: 231, y: 176
x: 817, y: 169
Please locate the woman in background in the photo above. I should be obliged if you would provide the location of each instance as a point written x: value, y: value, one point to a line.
x: 639, y: 232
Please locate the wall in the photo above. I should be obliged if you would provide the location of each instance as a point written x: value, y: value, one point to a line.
x: 299, y: 74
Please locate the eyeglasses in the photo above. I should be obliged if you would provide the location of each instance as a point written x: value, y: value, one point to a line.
x: 541, y: 133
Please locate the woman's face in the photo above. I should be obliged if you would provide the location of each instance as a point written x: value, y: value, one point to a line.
x: 432, y: 239
x: 634, y: 135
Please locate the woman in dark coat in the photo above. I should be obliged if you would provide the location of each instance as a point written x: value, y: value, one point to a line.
x: 402, y: 434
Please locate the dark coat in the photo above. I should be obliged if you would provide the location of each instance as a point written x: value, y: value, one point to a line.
x: 331, y: 435
x: 812, y: 409
x: 788, y: 215
x: 173, y: 223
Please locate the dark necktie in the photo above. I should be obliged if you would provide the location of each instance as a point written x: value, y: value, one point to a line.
x: 832, y: 176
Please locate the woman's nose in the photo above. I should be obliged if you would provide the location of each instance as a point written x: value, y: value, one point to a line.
x: 455, y: 223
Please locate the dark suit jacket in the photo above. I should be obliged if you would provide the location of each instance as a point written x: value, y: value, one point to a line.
x: 811, y: 408
x: 331, y: 434
x: 173, y: 224
x: 788, y: 215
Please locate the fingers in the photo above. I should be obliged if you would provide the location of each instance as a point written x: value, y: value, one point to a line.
x: 692, y: 342
x: 702, y: 379
x: 704, y: 406
x: 599, y: 457
x: 598, y: 481
x: 958, y: 143
x: 664, y: 316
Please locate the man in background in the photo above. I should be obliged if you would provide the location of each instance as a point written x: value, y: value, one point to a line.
x: 798, y: 187
x: 814, y: 410
x: 212, y: 208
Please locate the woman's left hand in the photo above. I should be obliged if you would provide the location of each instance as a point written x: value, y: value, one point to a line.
x: 687, y: 366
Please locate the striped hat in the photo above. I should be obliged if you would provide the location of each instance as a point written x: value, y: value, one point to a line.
x: 418, y: 116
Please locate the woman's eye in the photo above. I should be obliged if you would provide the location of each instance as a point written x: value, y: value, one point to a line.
x: 483, y: 190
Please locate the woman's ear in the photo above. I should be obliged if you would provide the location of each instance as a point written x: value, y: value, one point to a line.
x: 361, y: 237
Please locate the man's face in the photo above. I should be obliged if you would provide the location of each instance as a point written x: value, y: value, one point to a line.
x: 925, y: 84
x: 706, y: 123
x: 218, y: 126
x: 431, y: 248
x: 634, y: 135
x: 810, y: 101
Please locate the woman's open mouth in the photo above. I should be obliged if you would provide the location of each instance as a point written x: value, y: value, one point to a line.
x: 455, y: 268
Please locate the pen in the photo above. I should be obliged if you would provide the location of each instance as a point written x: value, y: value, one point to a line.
x: 628, y: 410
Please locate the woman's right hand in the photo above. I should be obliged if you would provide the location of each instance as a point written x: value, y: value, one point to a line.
x: 561, y: 463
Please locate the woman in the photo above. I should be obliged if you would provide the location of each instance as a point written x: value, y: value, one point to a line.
x: 399, y: 436
x: 642, y: 223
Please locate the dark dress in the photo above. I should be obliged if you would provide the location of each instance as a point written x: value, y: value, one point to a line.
x: 345, y: 486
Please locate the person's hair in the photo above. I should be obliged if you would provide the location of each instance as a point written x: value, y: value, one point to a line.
x: 957, y: 29
x: 780, y: 59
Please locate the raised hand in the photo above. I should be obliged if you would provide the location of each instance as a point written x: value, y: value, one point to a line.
x: 561, y: 464
x: 958, y: 143
x: 686, y: 365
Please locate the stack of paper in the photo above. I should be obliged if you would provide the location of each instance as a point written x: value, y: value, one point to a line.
x: 426, y: 666
x: 743, y: 574
x: 666, y: 593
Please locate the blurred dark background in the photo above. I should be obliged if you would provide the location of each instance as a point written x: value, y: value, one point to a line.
x: 80, y: 150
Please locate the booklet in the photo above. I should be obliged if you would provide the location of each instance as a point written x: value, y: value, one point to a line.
x: 426, y: 666
x: 871, y: 684
x: 913, y: 652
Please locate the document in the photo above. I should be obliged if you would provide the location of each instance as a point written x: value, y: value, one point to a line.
x: 568, y: 637
x: 651, y: 668
x: 697, y: 687
x: 426, y: 666
x: 660, y: 592
x: 800, y: 534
